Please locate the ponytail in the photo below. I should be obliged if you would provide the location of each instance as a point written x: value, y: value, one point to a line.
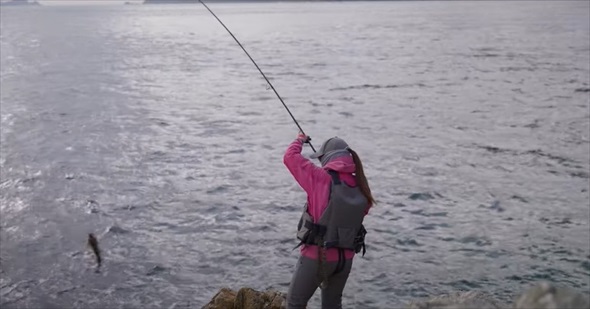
x: 361, y: 179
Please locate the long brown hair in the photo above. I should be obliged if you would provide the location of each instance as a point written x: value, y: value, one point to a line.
x: 361, y: 179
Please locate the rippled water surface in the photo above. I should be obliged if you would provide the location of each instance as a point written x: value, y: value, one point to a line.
x: 148, y: 126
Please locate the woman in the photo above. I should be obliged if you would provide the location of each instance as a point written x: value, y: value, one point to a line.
x: 330, y: 229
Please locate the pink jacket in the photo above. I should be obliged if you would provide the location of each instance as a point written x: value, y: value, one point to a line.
x: 316, y: 182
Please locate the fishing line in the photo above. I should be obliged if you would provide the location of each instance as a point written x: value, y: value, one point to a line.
x: 269, y: 83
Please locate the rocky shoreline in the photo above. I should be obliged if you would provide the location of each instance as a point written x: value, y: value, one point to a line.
x: 543, y: 295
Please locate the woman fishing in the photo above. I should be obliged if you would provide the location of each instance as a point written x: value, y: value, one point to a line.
x: 330, y: 228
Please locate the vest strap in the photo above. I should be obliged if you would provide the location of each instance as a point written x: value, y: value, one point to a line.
x: 335, y: 178
x: 316, y: 231
x: 360, y: 241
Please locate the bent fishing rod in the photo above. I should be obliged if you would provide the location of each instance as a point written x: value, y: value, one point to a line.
x: 259, y: 70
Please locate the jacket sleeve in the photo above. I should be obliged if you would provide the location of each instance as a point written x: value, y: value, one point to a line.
x: 303, y: 170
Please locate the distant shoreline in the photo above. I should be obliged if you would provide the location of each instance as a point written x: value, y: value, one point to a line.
x: 259, y: 1
x: 19, y: 3
x: 24, y: 3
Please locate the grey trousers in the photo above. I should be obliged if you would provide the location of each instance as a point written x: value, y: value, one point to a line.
x: 305, y: 282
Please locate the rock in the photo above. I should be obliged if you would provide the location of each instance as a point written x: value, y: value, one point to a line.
x: 460, y: 300
x: 223, y: 299
x: 542, y: 296
x: 247, y: 298
x: 548, y: 296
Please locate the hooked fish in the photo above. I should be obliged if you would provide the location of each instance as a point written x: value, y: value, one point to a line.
x: 93, y: 243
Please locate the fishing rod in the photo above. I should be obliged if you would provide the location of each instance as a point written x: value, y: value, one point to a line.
x: 268, y: 81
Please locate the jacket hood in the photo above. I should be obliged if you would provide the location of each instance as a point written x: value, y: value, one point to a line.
x: 342, y: 164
